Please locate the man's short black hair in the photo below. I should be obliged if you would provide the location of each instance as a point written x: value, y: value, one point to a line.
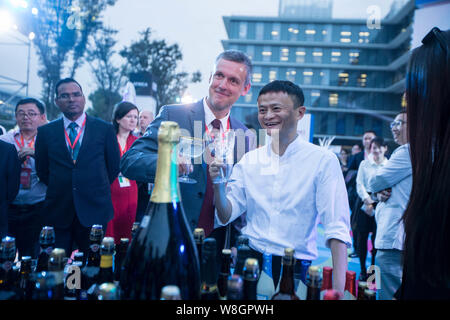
x: 66, y: 80
x: 293, y: 90
x: 38, y: 104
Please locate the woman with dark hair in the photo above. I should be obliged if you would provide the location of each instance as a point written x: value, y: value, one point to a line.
x: 426, y: 267
x: 365, y: 207
x: 123, y: 190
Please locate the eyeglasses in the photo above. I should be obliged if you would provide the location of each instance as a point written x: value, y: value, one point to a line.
x: 30, y: 115
x: 435, y: 33
x: 66, y: 96
x: 397, y: 123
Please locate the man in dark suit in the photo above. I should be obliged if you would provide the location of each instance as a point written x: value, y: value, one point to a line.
x: 229, y: 80
x: 77, y: 157
x: 9, y: 182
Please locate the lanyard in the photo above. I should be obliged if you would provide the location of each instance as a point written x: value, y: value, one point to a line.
x: 223, y: 133
x: 76, y: 139
x: 21, y: 144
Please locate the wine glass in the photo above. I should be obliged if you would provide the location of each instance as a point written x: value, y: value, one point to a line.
x: 221, y: 147
x: 189, y: 148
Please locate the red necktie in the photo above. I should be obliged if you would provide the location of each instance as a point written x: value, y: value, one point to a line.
x: 206, y: 219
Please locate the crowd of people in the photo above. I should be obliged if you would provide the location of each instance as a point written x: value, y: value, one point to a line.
x: 77, y: 171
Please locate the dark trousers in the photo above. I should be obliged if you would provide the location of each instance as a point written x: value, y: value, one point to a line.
x: 77, y: 234
x: 300, y: 267
x: 24, y: 224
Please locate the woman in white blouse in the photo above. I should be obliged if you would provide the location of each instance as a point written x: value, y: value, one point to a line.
x: 365, y: 207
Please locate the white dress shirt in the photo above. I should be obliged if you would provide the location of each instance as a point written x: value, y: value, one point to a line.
x: 366, y: 169
x: 396, y: 174
x: 286, y: 197
x: 38, y: 189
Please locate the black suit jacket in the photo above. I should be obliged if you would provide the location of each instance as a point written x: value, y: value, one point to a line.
x: 139, y: 163
x: 84, y: 187
x: 9, y: 182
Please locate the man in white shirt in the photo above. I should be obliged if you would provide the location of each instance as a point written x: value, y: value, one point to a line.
x: 287, y: 187
x: 396, y: 174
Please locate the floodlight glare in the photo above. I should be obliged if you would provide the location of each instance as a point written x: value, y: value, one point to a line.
x: 6, y: 21
x: 34, y: 11
x: 31, y: 36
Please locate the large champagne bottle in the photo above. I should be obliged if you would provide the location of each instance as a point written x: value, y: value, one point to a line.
x: 163, y: 251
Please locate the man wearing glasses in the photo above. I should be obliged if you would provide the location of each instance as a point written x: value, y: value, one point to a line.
x: 77, y: 157
x: 24, y: 213
x: 396, y: 177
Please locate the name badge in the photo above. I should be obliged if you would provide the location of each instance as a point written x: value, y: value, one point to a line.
x: 25, y: 178
x: 123, y: 181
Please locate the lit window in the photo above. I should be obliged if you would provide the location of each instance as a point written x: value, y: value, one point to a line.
x: 284, y: 54
x: 317, y: 54
x: 310, y: 32
x: 346, y: 33
x: 335, y: 56
x: 275, y: 33
x: 354, y: 57
x: 257, y: 77
x: 272, y: 75
x: 362, y: 80
x: 300, y: 55
x: 324, y: 32
x: 290, y: 75
x: 333, y: 99
x: 266, y: 53
x: 308, y: 73
x: 345, y: 40
x: 307, y: 76
x: 242, y: 30
x: 343, y: 78
x: 248, y: 97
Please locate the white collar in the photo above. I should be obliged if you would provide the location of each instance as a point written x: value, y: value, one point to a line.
x: 79, y: 121
x: 209, y: 116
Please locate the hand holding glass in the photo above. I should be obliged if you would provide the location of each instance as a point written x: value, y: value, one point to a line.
x: 221, y: 147
x: 189, y: 148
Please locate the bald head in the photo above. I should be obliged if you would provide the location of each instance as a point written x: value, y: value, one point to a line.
x: 145, y: 118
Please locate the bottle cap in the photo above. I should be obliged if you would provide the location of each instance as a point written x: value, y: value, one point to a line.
x: 327, y: 270
x: 362, y: 284
x: 251, y: 269
x: 107, y: 291
x: 369, y: 293
x: 288, y: 257
x: 96, y: 233
x: 107, y: 247
x: 242, y: 240
x: 57, y: 261
x: 199, y: 235
x: 331, y: 295
x: 124, y: 240
x: 170, y: 293
x: 350, y: 275
x: 313, y: 271
x: 47, y: 236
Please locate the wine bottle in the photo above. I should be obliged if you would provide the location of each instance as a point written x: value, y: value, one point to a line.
x: 287, y: 291
x: 350, y: 285
x: 243, y: 252
x: 362, y: 285
x: 235, y: 288
x: 209, y: 289
x: 47, y: 243
x: 8, y: 275
x: 199, y: 237
x: 313, y: 283
x: 265, y: 288
x: 107, y: 291
x: 251, y: 274
x: 106, y: 273
x: 121, y: 252
x: 331, y: 294
x: 327, y: 281
x: 170, y: 293
x: 25, y: 281
x: 56, y: 265
x: 163, y: 251
x: 222, y: 282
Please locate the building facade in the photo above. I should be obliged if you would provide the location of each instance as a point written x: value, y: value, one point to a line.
x: 351, y: 71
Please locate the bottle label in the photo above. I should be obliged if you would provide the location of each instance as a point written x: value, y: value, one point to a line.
x: 106, y: 261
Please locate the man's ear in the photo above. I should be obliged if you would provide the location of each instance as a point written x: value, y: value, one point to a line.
x: 301, y: 112
x: 246, y: 89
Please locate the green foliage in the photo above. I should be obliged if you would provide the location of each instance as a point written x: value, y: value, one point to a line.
x: 103, y: 103
x: 161, y: 60
x: 63, y: 29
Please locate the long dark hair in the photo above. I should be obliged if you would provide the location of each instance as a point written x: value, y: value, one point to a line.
x: 427, y: 217
x: 120, y: 110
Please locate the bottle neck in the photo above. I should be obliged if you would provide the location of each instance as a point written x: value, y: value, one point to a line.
x: 287, y: 279
x: 166, y: 183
